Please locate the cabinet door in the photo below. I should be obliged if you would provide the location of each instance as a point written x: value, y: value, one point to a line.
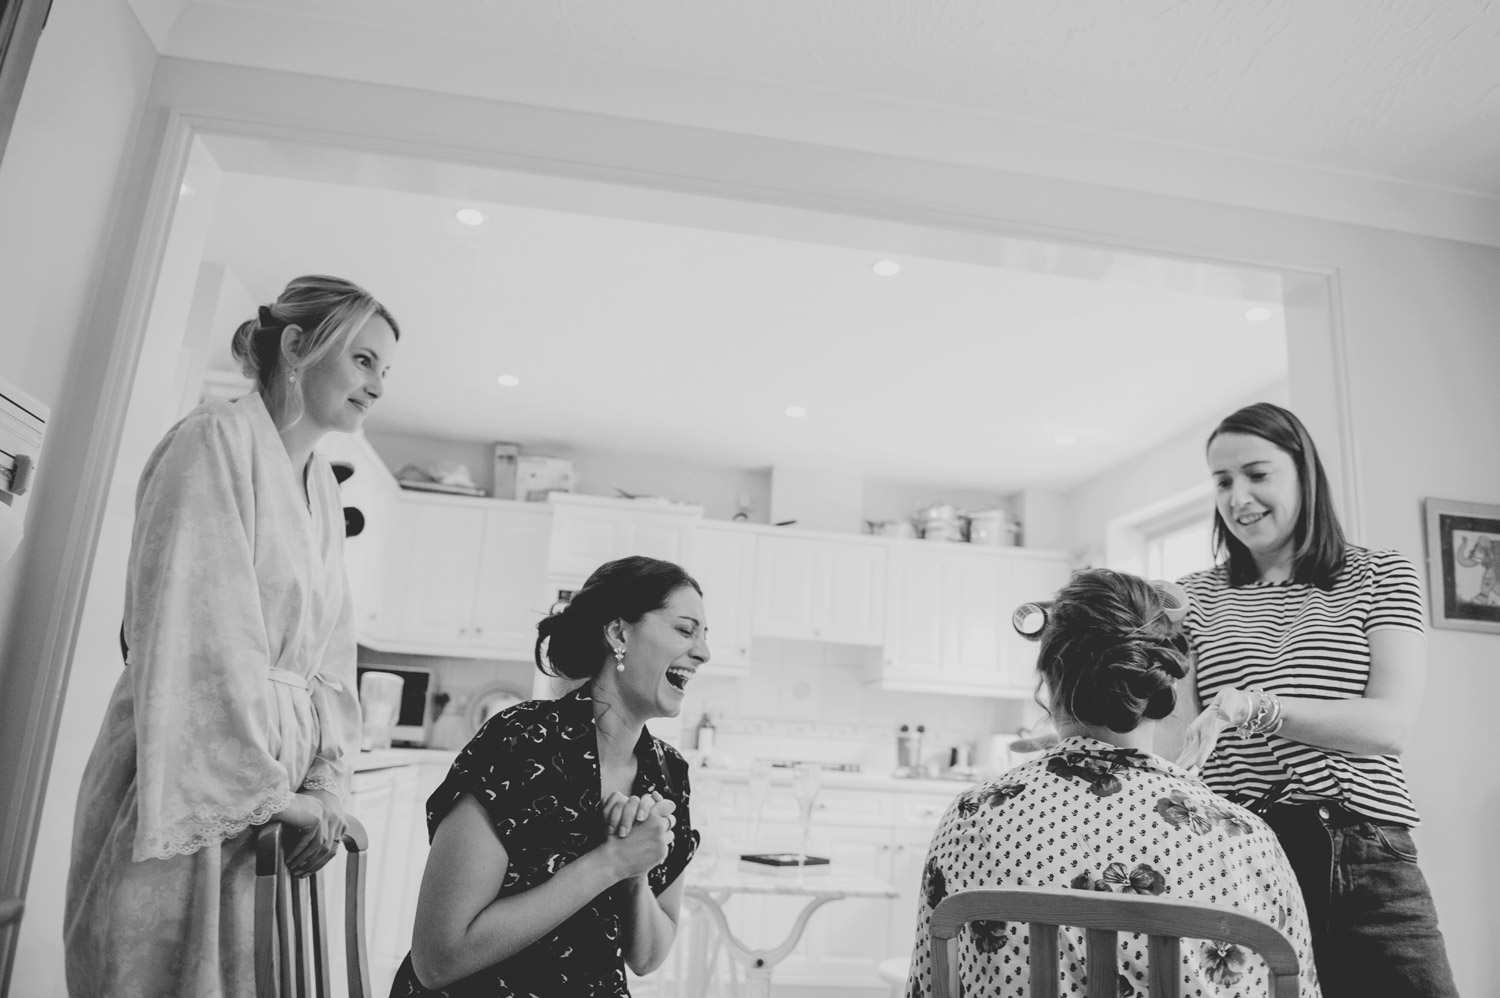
x: 583, y: 538
x: 373, y: 803
x: 908, y: 855
x: 786, y: 584
x: 724, y: 565
x: 846, y: 938
x: 914, y: 613
x: 586, y: 534
x: 851, y: 593
x: 511, y: 574
x: 389, y: 938
x: 973, y: 594
x: 442, y: 568
x: 1029, y: 578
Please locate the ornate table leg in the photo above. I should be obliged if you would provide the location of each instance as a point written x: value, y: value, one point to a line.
x: 758, y: 963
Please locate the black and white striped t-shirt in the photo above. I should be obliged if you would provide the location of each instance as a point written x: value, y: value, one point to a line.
x: 1294, y: 639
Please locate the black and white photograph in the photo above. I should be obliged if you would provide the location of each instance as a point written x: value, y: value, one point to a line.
x: 727, y: 499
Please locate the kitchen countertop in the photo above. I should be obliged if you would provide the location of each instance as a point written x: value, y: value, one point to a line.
x: 833, y: 779
x: 392, y: 757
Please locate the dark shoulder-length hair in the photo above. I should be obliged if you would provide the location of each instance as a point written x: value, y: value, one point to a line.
x: 1319, y: 544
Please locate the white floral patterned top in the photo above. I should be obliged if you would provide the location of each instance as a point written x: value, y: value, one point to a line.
x: 1090, y: 816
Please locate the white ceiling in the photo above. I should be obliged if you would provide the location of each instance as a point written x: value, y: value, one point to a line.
x: 680, y: 326
x: 1381, y: 109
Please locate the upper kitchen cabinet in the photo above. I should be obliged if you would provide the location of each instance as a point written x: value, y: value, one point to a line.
x: 723, y: 562
x: 948, y: 617
x: 474, y: 578
x: 588, y: 531
x: 811, y: 587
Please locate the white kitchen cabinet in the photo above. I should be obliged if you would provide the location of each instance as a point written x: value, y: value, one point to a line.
x: 815, y: 588
x: 1034, y: 577
x: 723, y: 562
x: 588, y: 531
x: 948, y: 618
x: 440, y: 571
x: 468, y: 577
x: 508, y: 594
x: 383, y: 802
x: 391, y: 803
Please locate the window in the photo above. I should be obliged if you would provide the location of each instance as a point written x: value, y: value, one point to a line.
x: 1177, y: 550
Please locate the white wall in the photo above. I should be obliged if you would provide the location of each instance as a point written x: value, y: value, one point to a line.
x: 1168, y: 469
x: 96, y: 663
x: 71, y: 193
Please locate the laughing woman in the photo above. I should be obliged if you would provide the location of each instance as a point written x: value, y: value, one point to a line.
x: 237, y: 702
x: 561, y: 833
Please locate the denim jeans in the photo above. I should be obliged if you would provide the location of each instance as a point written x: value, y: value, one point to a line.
x: 1374, y: 927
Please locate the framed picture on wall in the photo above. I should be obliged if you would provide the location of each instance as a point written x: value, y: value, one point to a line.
x: 1463, y: 564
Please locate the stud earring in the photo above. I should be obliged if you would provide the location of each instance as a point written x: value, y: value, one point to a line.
x: 620, y: 659
x: 291, y: 378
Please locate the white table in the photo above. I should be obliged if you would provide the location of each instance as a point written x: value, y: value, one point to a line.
x: 709, y: 889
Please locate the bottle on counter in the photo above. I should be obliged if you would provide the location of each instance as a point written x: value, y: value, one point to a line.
x: 909, y: 747
x: 706, y: 734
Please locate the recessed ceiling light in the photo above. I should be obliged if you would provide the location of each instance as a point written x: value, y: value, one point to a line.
x: 1257, y: 313
x: 1064, y: 439
x: 508, y: 380
x: 887, y: 268
x: 469, y: 216
x: 796, y: 411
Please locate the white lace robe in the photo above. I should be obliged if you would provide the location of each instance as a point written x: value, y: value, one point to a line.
x: 239, y: 691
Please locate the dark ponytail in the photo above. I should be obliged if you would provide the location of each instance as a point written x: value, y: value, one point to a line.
x: 570, y: 641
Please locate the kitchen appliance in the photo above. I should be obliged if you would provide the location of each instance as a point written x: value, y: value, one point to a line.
x: 994, y: 528
x: 409, y: 727
x: 538, y: 477
x: 941, y: 522
x: 379, y: 702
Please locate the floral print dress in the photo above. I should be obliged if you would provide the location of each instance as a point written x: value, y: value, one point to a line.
x: 1093, y: 817
x: 534, y: 768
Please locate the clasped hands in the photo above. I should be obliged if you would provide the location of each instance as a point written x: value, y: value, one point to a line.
x: 317, y: 817
x: 638, y: 831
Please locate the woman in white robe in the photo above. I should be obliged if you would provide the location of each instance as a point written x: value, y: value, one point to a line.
x: 237, y: 704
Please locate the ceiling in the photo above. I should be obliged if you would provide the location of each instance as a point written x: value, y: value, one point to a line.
x: 1373, y: 108
x: 671, y: 325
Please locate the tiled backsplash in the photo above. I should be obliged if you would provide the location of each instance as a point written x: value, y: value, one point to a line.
x: 806, y: 700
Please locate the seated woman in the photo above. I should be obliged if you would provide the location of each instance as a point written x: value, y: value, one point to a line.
x: 560, y: 835
x: 1100, y: 812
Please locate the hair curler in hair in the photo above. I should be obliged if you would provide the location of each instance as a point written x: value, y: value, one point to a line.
x: 1030, y: 620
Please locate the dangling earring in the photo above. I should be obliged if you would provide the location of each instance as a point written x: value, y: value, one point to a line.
x: 620, y: 659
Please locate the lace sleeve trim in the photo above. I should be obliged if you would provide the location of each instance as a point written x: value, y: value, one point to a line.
x: 197, y: 831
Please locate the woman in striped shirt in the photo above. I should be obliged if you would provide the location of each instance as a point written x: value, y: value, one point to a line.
x: 1310, y: 659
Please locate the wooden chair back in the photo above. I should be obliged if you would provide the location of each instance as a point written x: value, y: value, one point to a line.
x: 1102, y: 916
x: 291, y: 920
